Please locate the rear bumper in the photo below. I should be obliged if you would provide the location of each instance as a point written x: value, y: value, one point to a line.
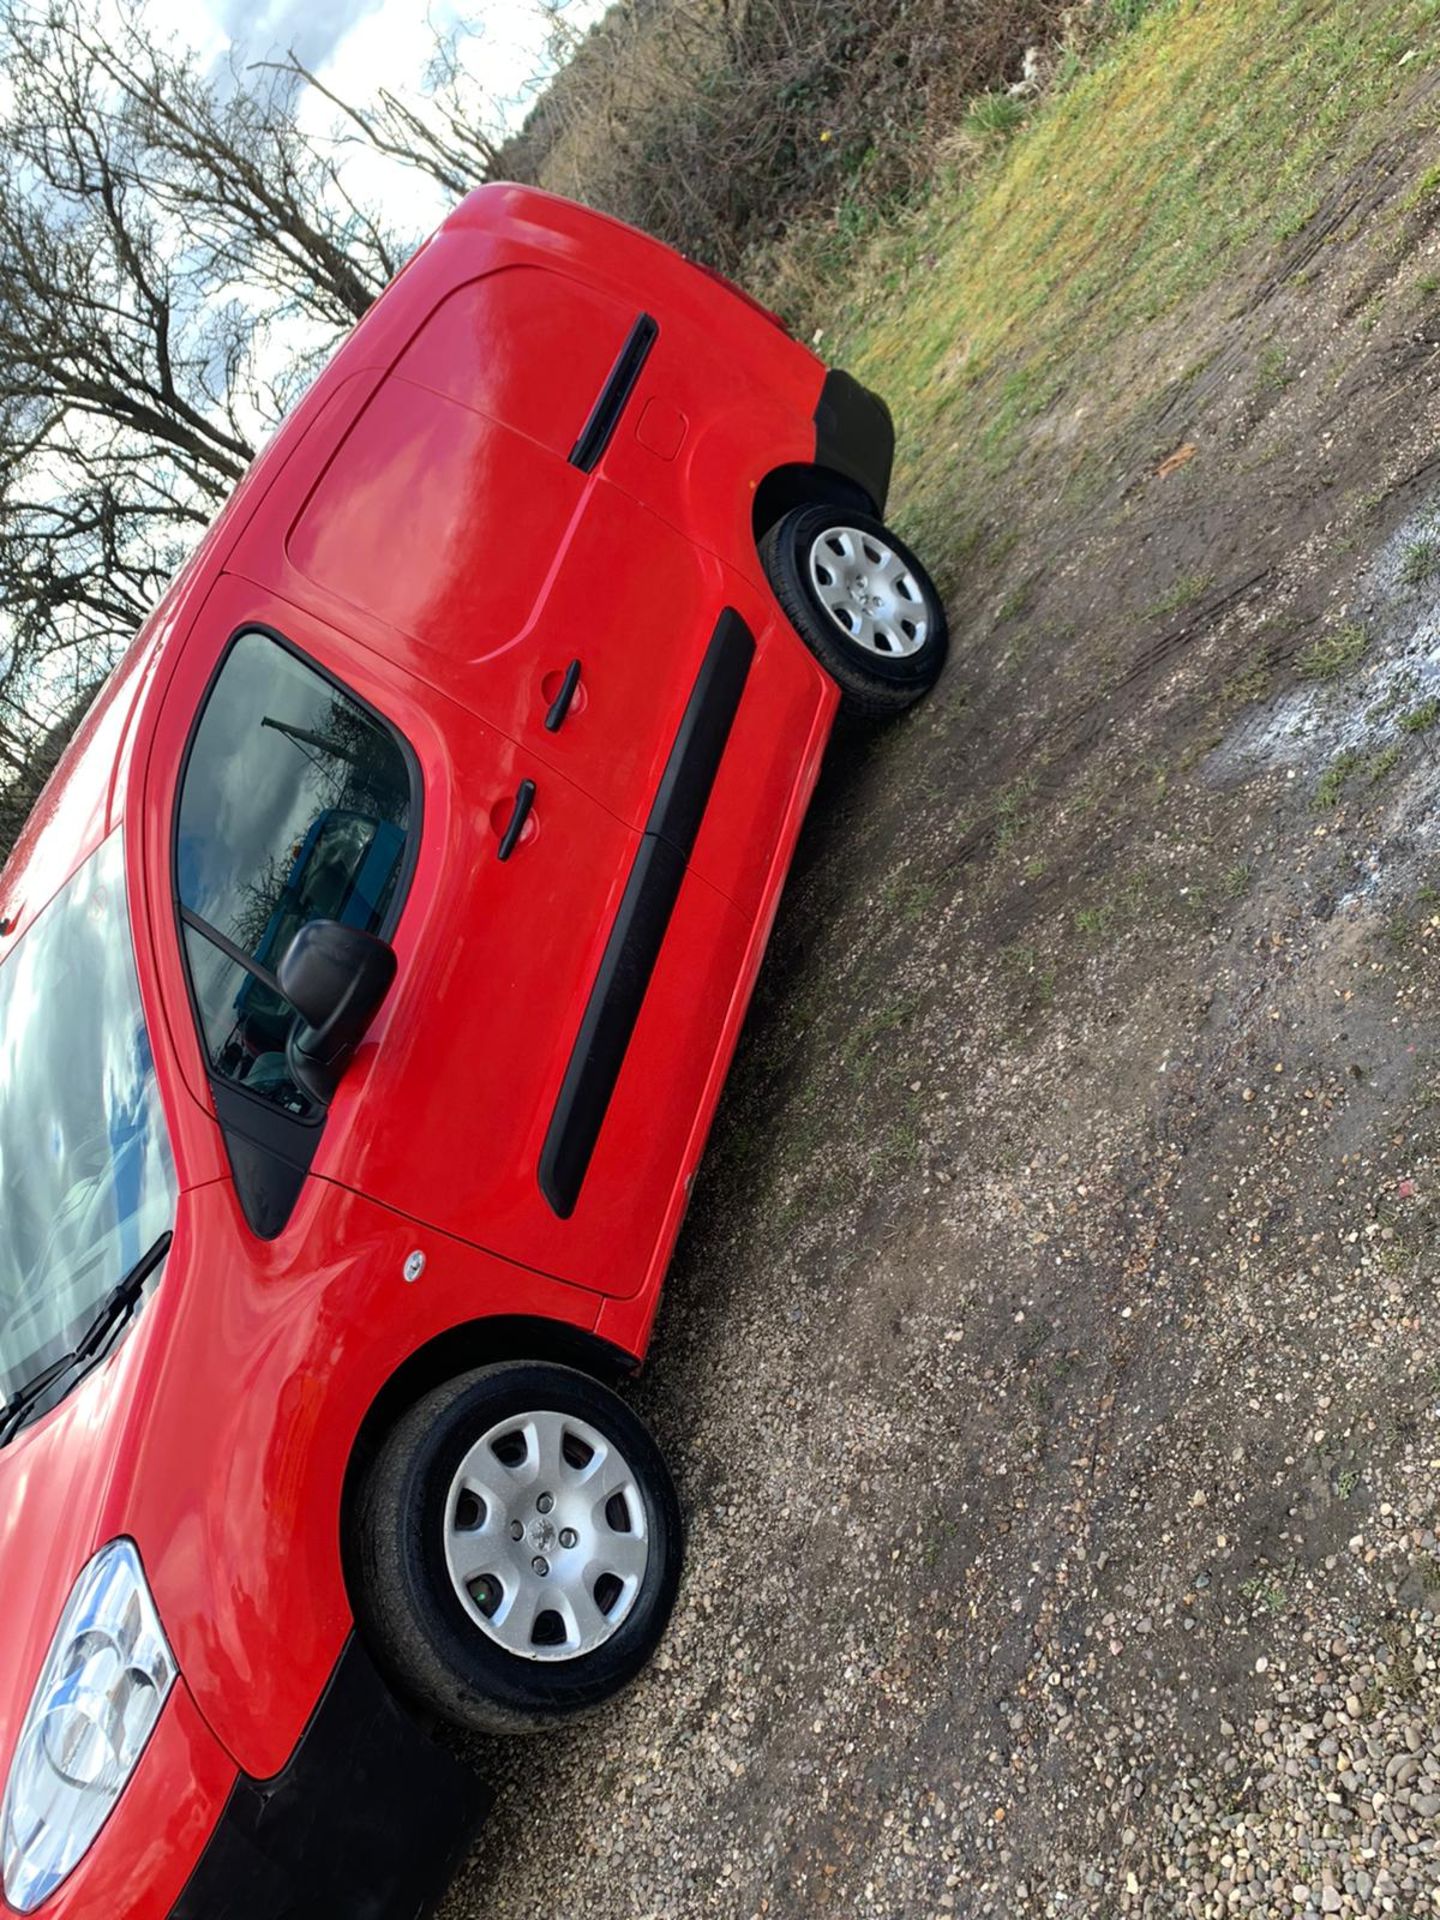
x: 854, y: 434
x: 370, y: 1819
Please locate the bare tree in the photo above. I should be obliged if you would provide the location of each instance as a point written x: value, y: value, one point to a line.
x: 266, y: 204
x: 174, y: 253
x: 178, y: 253
x: 451, y: 137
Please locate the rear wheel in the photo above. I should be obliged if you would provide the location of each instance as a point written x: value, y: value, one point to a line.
x: 519, y: 1548
x: 861, y: 602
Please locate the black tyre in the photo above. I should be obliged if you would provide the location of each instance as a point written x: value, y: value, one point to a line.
x: 862, y: 603
x: 518, y: 1548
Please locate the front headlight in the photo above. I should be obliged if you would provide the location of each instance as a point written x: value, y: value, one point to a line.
x: 103, y: 1685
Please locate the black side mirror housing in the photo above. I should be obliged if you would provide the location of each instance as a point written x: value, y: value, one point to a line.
x: 335, y: 977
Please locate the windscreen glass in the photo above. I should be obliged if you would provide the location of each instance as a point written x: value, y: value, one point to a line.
x: 85, y: 1161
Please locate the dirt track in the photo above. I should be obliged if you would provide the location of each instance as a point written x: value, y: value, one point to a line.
x: 1050, y: 1364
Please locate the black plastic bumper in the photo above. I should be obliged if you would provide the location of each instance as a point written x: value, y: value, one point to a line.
x: 368, y: 1822
x: 854, y: 434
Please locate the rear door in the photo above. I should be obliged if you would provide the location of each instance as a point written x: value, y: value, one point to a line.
x: 617, y: 661
x: 462, y: 518
x: 302, y: 771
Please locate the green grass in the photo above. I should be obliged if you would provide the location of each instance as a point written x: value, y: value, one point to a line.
x: 1331, y: 785
x: 1296, y: 219
x: 1385, y: 761
x: 990, y: 114
x: 1265, y: 1593
x: 1184, y: 592
x: 1375, y: 766
x: 1421, y: 718
x: 1012, y: 810
x: 1425, y: 188
x: 1123, y: 195
x: 1276, y: 370
x: 1334, y: 652
x: 1246, y: 687
x: 908, y: 899
x: 1125, y: 14
x: 1420, y: 562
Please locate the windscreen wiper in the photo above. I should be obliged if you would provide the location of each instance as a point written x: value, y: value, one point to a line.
x: 12, y: 1418
x: 114, y: 1311
x: 121, y: 1301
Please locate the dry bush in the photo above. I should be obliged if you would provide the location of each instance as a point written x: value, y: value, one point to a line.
x: 715, y: 124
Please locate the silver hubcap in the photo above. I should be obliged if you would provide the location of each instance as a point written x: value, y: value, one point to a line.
x: 545, y: 1536
x: 869, y: 592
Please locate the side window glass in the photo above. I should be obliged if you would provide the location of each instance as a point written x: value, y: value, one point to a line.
x: 295, y: 807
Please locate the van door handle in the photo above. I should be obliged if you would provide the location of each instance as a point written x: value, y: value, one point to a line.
x: 560, y: 706
x: 520, y: 813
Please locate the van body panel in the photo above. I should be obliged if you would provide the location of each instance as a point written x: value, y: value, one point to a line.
x: 504, y: 534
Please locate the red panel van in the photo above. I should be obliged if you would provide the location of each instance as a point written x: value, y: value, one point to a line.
x: 369, y: 973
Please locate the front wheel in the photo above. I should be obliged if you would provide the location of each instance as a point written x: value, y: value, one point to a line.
x: 862, y: 603
x: 519, y: 1548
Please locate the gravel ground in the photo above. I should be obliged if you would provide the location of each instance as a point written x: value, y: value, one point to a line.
x: 1050, y: 1364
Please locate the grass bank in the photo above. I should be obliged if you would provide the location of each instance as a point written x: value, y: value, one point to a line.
x: 1212, y: 124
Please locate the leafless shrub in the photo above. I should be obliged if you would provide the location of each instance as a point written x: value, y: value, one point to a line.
x: 714, y: 124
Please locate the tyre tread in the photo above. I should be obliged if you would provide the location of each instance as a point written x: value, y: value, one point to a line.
x: 422, y: 1640
x: 864, y: 693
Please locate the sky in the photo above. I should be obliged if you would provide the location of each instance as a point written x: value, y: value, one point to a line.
x: 369, y: 41
x: 358, y: 46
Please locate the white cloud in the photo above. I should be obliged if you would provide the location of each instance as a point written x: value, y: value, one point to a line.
x: 358, y: 46
x: 503, y: 44
x: 311, y: 28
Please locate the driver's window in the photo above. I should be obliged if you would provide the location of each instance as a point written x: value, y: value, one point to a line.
x: 295, y: 807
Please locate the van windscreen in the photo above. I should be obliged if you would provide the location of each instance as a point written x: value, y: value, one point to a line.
x: 85, y: 1160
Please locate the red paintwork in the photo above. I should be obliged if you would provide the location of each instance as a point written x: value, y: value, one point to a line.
x: 415, y: 528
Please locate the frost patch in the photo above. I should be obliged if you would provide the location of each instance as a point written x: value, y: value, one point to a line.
x: 1387, y: 700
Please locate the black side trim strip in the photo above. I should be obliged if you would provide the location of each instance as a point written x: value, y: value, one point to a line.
x: 610, y: 1015
x: 643, y: 918
x: 700, y: 744
x: 599, y: 429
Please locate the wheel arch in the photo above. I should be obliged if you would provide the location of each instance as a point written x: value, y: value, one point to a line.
x: 460, y: 1349
x: 805, y: 484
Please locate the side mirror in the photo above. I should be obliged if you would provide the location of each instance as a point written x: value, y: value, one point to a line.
x: 335, y: 977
